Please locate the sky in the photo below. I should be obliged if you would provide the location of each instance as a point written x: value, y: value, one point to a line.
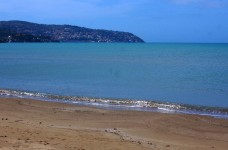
x: 198, y: 21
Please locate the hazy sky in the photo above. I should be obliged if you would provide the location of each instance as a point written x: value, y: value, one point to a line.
x: 152, y: 20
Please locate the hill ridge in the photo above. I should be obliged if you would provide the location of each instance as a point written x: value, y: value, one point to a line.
x: 23, y: 31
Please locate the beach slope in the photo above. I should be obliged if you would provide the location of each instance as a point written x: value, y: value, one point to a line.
x: 31, y: 124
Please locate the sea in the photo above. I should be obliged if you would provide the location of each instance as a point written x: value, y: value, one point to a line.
x: 161, y: 77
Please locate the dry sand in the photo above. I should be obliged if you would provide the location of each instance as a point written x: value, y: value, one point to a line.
x: 30, y: 124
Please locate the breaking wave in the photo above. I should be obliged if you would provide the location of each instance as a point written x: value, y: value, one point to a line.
x: 122, y: 104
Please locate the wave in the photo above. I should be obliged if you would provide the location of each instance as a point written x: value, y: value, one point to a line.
x: 122, y: 104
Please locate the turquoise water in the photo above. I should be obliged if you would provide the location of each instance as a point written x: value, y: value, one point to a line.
x: 195, y: 74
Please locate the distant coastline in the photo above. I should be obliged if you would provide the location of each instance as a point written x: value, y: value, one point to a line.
x: 22, y: 31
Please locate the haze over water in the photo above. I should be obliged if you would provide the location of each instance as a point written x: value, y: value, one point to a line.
x: 194, y: 74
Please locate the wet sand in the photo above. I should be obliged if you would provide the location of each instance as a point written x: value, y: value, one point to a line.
x: 30, y: 124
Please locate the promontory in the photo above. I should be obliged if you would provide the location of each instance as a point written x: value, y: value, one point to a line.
x: 22, y: 31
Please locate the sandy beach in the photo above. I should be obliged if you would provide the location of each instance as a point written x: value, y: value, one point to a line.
x: 30, y: 124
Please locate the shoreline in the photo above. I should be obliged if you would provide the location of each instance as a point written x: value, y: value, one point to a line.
x: 34, y: 124
x: 121, y: 104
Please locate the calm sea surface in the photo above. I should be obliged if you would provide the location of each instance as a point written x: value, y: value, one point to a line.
x: 195, y: 74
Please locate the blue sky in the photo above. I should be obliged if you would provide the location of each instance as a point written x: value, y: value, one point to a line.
x: 152, y: 20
